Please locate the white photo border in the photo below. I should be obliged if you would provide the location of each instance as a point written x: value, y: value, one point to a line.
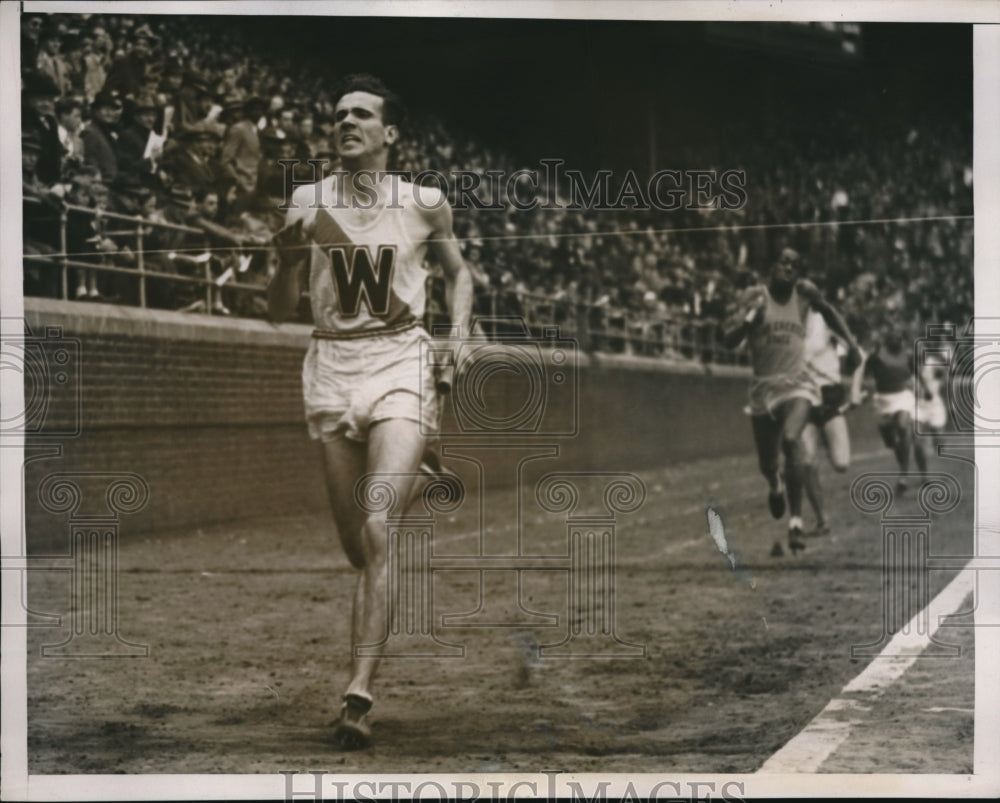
x: 985, y: 782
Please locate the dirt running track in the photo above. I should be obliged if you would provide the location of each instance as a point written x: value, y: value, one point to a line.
x: 247, y: 626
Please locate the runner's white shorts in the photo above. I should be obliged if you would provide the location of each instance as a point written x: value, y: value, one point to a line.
x: 767, y: 393
x: 348, y: 385
x: 888, y: 404
x: 933, y: 413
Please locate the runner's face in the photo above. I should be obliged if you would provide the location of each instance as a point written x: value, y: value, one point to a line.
x: 783, y: 272
x: 359, y: 128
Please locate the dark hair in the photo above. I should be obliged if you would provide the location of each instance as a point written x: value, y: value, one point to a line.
x: 86, y: 172
x: 892, y: 337
x: 393, y: 111
x: 201, y: 193
x: 67, y: 105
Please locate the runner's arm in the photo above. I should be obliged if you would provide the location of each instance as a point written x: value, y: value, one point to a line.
x: 860, y: 385
x: 921, y: 386
x: 748, y: 314
x: 458, y: 283
x: 833, y: 319
x: 458, y: 279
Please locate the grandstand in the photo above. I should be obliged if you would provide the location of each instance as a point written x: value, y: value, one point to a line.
x: 171, y: 452
x: 867, y: 176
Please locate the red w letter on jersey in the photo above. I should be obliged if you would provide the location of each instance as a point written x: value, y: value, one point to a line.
x: 361, y: 277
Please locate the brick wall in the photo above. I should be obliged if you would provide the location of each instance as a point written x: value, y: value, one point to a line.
x: 208, y: 411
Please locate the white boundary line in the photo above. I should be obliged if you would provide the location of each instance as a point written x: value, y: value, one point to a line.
x: 830, y: 728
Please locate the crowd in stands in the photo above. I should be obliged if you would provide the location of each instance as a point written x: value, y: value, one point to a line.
x: 166, y: 120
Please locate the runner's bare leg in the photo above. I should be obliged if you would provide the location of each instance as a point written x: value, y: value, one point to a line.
x: 795, y: 417
x: 766, y: 435
x: 810, y: 472
x: 902, y: 443
x: 394, y: 447
x: 345, y: 463
x: 838, y: 443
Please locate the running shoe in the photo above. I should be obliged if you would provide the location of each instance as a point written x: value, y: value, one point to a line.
x: 795, y: 542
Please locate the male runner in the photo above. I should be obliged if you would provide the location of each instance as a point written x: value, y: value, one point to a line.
x: 891, y: 368
x: 782, y: 391
x: 932, y: 412
x: 368, y: 399
x: 826, y: 424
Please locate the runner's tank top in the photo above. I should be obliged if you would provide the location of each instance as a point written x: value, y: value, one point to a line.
x: 777, y: 346
x: 933, y: 373
x: 892, y: 372
x: 366, y: 272
x: 821, y: 351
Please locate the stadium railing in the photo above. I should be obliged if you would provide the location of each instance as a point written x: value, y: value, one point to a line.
x: 610, y: 329
x: 594, y: 327
x: 134, y: 231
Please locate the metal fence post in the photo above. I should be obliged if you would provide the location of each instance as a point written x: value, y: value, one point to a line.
x: 140, y: 264
x: 64, y: 258
x: 208, y: 286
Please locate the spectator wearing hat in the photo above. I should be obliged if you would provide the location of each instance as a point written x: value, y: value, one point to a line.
x: 232, y: 103
x: 279, y: 148
x: 194, y: 163
x: 222, y: 238
x: 69, y: 120
x: 135, y: 137
x: 169, y: 251
x: 85, y: 232
x: 41, y: 222
x: 151, y: 82
x: 50, y: 61
x: 104, y: 47
x: 96, y: 61
x: 31, y: 30
x: 195, y: 100
x: 31, y: 149
x: 241, y: 152
x: 100, y: 135
x: 129, y: 195
x: 76, y: 65
x: 38, y: 116
x: 171, y: 81
x: 47, y: 195
x: 94, y: 70
x: 128, y: 73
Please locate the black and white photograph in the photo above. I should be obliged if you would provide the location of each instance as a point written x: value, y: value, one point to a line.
x: 583, y: 400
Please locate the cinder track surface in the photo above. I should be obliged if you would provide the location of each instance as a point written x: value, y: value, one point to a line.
x: 248, y: 630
